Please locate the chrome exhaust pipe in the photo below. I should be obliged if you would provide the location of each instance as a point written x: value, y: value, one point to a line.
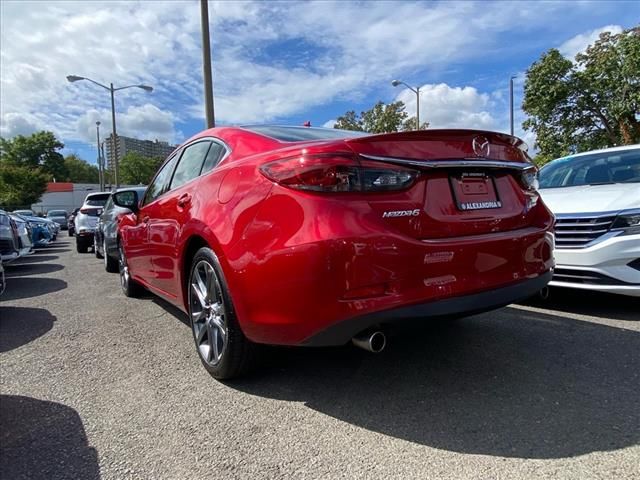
x: 544, y: 293
x: 374, y: 341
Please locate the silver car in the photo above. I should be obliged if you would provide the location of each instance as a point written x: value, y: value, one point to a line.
x: 58, y: 216
x: 87, y: 219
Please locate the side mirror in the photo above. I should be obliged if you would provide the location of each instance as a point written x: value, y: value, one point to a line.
x: 126, y: 199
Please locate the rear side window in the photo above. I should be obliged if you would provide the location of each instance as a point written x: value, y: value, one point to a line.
x: 159, y: 183
x: 190, y: 163
x: 215, y: 154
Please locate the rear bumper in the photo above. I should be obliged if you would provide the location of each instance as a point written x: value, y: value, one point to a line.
x: 342, y: 332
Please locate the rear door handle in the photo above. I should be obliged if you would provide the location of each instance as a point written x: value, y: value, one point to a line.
x: 184, y: 199
x: 145, y: 219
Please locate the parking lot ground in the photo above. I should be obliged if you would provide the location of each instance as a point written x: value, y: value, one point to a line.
x: 96, y: 385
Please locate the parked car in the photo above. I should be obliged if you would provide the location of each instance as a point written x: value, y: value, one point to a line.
x: 25, y: 242
x: 71, y: 225
x: 27, y: 213
x: 307, y: 236
x: 87, y: 219
x: 9, y: 239
x: 41, y: 230
x: 105, y: 239
x: 596, y: 199
x: 53, y: 227
x: 3, y: 282
x: 58, y: 216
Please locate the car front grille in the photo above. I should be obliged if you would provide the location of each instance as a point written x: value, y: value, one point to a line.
x: 580, y: 231
x: 585, y: 277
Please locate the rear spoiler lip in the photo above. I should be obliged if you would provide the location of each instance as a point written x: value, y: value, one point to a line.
x: 463, y: 163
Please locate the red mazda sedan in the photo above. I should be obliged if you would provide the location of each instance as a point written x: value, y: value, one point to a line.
x: 307, y: 236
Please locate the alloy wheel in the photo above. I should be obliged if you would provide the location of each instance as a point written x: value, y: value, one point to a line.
x: 104, y: 251
x: 208, y: 313
x: 123, y: 267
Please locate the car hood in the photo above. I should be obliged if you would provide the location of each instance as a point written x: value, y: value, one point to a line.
x: 592, y: 198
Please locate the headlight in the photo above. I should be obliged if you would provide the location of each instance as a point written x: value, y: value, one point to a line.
x: 629, y: 222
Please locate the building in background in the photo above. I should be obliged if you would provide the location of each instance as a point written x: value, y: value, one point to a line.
x: 65, y: 196
x: 146, y: 148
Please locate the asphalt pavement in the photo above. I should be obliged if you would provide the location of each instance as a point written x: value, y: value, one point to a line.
x: 96, y: 385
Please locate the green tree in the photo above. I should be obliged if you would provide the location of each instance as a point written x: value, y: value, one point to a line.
x: 79, y: 170
x: 136, y: 169
x: 592, y: 102
x: 20, y: 186
x: 381, y: 118
x: 39, y: 150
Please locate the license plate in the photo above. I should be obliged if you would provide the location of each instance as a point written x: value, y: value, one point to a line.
x: 474, y: 191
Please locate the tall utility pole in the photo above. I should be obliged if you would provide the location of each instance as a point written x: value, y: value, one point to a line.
x: 206, y: 64
x: 511, y: 104
x: 100, y: 167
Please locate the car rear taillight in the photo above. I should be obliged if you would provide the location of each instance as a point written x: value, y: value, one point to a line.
x: 338, y: 173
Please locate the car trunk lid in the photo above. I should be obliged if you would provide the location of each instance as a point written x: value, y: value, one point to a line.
x: 470, y: 182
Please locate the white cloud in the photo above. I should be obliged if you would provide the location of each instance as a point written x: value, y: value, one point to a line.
x: 444, y: 106
x: 16, y: 124
x: 580, y: 42
x: 329, y: 123
x: 346, y: 50
x: 146, y: 122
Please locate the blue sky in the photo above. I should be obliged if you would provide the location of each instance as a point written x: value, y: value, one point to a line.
x: 277, y: 62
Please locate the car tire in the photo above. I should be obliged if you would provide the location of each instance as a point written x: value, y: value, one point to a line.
x: 130, y: 287
x: 96, y: 250
x: 110, y: 263
x: 81, y: 245
x: 220, y: 343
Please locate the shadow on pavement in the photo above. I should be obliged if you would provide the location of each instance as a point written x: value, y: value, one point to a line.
x: 171, y: 309
x: 21, y: 287
x: 23, y: 268
x: 41, y: 439
x: 507, y: 383
x: 54, y: 250
x: 41, y: 258
x: 597, y: 304
x: 21, y: 325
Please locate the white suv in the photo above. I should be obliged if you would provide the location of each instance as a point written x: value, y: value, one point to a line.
x: 87, y: 219
x: 596, y: 199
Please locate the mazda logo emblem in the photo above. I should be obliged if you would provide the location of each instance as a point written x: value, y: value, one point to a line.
x: 481, y: 146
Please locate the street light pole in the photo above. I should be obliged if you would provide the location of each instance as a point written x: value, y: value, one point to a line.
x: 112, y: 90
x: 114, y: 143
x: 100, y: 169
x: 206, y: 64
x: 511, y: 104
x: 415, y: 90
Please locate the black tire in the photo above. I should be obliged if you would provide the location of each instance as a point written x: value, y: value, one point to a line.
x: 238, y: 355
x: 81, y: 245
x: 130, y: 287
x: 96, y: 250
x: 110, y: 263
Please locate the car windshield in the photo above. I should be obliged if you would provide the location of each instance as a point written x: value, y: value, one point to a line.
x: 56, y: 213
x: 596, y: 169
x: 97, y: 200
x: 300, y: 134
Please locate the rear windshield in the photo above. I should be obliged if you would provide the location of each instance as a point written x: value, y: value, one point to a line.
x: 56, y: 213
x: 301, y: 134
x: 97, y: 200
x: 597, y: 169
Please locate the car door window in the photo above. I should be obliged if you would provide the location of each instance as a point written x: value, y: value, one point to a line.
x: 159, y: 183
x: 215, y: 154
x: 190, y: 163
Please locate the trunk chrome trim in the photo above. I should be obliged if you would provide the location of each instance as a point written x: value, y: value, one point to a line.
x: 465, y: 163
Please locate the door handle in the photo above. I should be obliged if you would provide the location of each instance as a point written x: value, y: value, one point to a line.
x: 184, y: 199
x: 145, y: 219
